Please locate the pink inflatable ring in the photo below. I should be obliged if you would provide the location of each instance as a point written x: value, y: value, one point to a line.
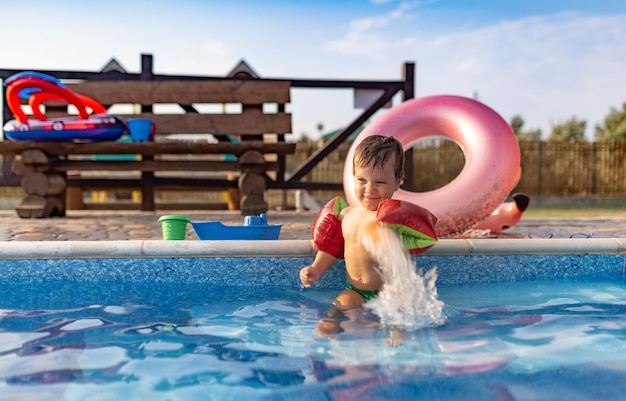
x: 492, y: 157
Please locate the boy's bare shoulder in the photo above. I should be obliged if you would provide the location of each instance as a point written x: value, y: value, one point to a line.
x: 345, y: 211
x: 357, y: 214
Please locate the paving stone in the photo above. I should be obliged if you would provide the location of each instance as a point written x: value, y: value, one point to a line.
x: 86, y: 225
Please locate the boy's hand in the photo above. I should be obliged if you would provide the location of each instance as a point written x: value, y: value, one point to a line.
x: 308, y: 276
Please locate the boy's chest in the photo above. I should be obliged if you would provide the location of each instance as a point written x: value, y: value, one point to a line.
x: 353, y: 223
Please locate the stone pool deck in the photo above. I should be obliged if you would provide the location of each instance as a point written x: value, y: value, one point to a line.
x: 93, y: 225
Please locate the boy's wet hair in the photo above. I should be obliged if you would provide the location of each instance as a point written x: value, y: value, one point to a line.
x: 376, y: 151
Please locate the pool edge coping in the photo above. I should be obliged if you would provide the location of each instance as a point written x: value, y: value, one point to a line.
x: 293, y: 248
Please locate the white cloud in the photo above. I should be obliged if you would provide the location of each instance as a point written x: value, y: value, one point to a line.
x: 546, y: 68
x: 366, y: 36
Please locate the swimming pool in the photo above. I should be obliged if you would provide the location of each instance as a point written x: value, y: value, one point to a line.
x: 201, y: 320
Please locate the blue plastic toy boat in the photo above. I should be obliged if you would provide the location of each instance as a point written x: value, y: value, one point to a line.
x: 254, y: 228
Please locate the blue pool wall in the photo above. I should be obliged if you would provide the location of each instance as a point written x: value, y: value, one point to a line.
x: 277, y: 263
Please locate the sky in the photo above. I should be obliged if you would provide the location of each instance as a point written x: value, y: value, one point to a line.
x: 544, y: 60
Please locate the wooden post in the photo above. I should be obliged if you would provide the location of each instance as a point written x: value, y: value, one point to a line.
x: 74, y: 196
x: 148, y: 203
x: 147, y: 188
x: 408, y: 89
x: 252, y: 183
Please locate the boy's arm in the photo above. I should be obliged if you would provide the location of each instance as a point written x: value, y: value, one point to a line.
x: 328, y: 239
x: 415, y: 224
x: 310, y: 274
x: 326, y: 230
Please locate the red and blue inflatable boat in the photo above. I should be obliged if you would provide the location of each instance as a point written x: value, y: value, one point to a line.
x: 39, y: 88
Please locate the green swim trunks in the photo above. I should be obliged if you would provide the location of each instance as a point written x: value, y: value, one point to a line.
x: 366, y: 295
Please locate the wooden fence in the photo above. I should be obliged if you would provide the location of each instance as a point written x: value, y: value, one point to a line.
x: 548, y: 168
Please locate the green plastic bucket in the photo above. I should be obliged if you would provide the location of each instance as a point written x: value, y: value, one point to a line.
x: 174, y: 226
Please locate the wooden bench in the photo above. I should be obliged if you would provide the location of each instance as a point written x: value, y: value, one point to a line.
x: 176, y: 107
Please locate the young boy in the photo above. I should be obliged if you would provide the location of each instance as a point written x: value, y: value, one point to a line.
x: 378, y: 169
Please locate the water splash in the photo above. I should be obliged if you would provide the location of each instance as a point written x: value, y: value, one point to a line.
x: 408, y: 298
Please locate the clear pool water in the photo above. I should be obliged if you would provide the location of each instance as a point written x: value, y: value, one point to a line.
x: 540, y: 340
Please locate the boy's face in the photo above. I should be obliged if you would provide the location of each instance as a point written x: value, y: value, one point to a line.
x: 372, y: 186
